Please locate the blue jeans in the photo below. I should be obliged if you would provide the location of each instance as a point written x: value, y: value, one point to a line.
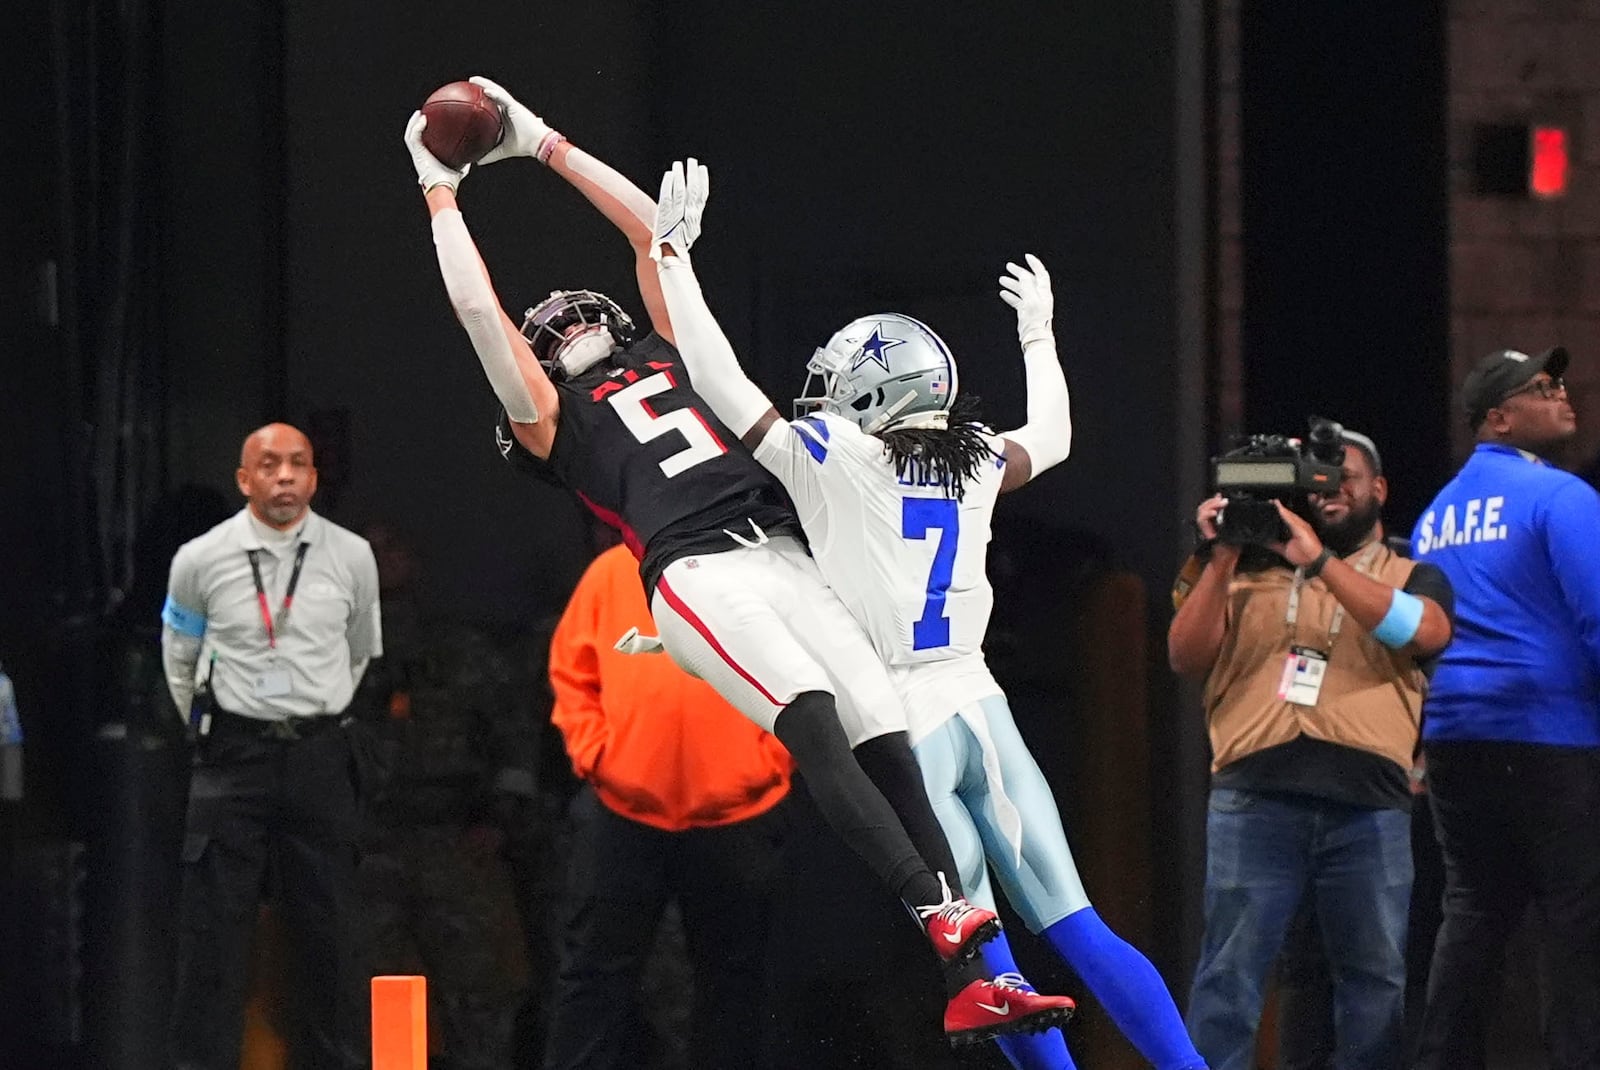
x: 1262, y: 853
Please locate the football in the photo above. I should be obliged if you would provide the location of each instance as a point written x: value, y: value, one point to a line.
x: 463, y: 124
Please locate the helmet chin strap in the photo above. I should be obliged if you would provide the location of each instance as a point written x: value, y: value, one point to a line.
x: 585, y: 351
x: 885, y: 417
x: 937, y: 421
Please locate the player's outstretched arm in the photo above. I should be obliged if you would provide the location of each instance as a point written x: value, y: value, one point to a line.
x: 1046, y: 439
x: 713, y: 366
x: 628, y: 207
x: 513, y: 371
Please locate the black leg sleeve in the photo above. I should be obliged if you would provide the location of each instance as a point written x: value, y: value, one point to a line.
x: 856, y: 810
x: 889, y: 763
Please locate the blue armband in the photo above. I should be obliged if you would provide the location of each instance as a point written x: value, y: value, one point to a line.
x: 183, y: 620
x: 1399, y: 626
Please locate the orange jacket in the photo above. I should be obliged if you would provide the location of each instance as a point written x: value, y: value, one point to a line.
x: 659, y: 746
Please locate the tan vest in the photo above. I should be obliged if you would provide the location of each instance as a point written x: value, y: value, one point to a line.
x: 1371, y: 697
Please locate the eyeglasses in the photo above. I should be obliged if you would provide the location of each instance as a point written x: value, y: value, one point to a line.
x: 1546, y: 389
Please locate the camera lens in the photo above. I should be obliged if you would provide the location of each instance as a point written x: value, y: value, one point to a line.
x: 1326, y: 441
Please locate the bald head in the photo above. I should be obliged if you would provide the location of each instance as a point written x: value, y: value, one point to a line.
x: 276, y: 474
x: 279, y: 437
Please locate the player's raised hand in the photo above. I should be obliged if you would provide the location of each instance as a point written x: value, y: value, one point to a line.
x: 1027, y: 289
x: 430, y: 171
x: 684, y: 189
x: 525, y: 133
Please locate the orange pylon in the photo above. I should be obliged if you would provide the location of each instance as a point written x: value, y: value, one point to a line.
x: 399, y: 1023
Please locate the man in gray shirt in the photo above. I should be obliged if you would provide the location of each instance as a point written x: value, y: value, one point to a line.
x: 270, y: 620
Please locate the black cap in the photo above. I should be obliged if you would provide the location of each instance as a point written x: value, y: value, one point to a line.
x: 1500, y: 373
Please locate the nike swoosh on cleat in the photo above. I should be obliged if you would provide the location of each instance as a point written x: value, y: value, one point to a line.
x: 1004, y: 1008
x: 954, y: 938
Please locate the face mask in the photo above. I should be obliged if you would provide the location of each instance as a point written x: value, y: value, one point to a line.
x: 585, y: 351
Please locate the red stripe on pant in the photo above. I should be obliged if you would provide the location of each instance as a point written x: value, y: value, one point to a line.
x: 682, y: 610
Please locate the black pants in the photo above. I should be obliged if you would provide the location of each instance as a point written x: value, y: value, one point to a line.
x: 1518, y: 824
x: 622, y: 875
x: 293, y: 801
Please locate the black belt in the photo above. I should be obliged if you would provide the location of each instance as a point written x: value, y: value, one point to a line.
x: 283, y: 729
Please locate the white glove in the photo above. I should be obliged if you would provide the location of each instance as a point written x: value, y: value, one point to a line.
x: 524, y: 133
x: 1029, y: 293
x: 684, y: 190
x: 431, y: 171
x: 634, y: 643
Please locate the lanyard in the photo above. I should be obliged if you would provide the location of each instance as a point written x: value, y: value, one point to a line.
x: 1337, y: 624
x: 288, y: 594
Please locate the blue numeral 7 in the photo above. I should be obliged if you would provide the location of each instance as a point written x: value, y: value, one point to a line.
x: 922, y: 515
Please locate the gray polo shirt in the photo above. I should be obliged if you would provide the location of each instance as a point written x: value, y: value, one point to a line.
x: 324, y: 644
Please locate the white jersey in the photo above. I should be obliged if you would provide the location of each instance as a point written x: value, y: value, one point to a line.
x: 906, y: 559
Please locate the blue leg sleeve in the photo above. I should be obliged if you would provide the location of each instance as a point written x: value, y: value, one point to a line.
x: 1025, y: 1051
x: 1128, y: 987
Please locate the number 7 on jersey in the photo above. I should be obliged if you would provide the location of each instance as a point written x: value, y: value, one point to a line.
x: 920, y: 517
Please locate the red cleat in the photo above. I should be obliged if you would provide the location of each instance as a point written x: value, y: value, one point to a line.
x: 988, y: 1009
x: 956, y: 927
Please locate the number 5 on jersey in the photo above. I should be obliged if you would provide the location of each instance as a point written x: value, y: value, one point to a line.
x: 919, y: 517
x: 632, y: 404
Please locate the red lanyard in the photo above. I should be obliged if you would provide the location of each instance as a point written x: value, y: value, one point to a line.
x: 288, y: 594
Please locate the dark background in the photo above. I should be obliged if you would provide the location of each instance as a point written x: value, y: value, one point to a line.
x: 236, y: 236
x: 1346, y: 217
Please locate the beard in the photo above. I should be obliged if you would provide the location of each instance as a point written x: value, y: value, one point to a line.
x: 282, y: 514
x: 1344, y: 537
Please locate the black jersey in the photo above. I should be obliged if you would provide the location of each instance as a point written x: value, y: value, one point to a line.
x: 644, y: 453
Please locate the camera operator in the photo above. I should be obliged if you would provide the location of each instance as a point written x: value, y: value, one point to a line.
x: 1311, y: 648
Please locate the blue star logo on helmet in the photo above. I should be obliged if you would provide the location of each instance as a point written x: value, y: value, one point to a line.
x: 875, y: 349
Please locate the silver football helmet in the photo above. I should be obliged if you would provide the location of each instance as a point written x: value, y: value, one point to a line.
x: 885, y: 372
x: 567, y: 314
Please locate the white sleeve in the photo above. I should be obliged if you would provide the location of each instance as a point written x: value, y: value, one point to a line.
x: 478, y: 309
x: 713, y: 368
x: 179, y: 656
x: 796, y: 453
x: 183, y: 628
x: 1047, y: 436
x: 635, y: 200
x: 364, y: 630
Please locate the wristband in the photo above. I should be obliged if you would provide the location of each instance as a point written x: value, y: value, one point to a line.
x: 1314, y: 569
x: 1399, y: 626
x: 547, y: 146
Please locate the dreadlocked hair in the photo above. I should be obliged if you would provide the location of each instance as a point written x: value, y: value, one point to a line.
x: 948, y: 456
